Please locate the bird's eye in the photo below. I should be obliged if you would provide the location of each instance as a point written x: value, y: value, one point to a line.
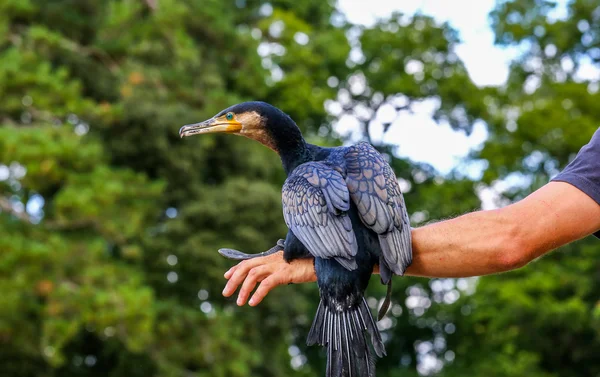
x: 229, y: 116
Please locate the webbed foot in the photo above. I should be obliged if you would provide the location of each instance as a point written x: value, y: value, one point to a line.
x: 238, y: 255
x: 386, y: 303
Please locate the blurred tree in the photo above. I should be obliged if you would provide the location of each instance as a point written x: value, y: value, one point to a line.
x: 109, y: 223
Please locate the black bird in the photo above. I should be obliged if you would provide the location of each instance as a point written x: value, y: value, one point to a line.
x: 343, y: 206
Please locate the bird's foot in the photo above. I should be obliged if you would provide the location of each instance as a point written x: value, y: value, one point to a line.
x: 386, y: 303
x: 238, y: 255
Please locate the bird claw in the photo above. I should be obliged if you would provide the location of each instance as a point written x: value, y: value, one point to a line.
x: 238, y: 255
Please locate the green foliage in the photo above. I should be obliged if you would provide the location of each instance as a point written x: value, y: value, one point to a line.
x: 109, y: 223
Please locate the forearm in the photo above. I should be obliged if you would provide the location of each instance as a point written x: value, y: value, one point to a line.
x: 488, y: 242
x: 477, y: 243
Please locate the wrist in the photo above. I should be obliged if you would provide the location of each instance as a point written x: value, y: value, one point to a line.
x: 310, y: 273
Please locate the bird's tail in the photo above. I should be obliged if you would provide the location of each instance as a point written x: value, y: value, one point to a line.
x: 343, y: 333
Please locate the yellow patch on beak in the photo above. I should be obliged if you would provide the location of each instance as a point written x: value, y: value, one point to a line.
x: 214, y: 125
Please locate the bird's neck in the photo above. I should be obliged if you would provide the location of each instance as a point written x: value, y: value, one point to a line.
x: 287, y: 140
x: 295, y: 154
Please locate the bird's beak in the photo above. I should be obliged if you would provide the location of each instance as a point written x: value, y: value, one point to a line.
x: 213, y: 125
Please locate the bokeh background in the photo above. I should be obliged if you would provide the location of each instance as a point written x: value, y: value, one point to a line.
x: 109, y: 223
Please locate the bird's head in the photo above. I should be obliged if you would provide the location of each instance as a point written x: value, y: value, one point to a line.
x: 255, y: 120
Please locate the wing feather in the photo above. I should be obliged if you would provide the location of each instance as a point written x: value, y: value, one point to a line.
x: 315, y: 204
x: 374, y: 189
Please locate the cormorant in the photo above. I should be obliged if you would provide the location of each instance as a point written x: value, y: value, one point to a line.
x: 343, y: 206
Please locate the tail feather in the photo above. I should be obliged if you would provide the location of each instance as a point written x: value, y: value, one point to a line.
x: 371, y: 328
x: 343, y: 333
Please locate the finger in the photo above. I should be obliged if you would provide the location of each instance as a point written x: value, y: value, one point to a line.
x: 230, y: 272
x: 240, y: 271
x: 238, y: 277
x: 264, y: 288
x: 254, y: 276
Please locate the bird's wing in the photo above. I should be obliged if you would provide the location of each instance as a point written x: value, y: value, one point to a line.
x: 315, y: 204
x: 374, y: 189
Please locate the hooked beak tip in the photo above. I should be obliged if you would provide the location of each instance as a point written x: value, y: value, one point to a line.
x: 185, y: 130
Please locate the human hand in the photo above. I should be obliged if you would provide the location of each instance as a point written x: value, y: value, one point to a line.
x: 270, y: 271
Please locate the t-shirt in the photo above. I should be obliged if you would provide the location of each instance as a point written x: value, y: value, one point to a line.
x: 584, y: 171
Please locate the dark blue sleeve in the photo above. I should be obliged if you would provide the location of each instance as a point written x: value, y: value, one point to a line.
x: 584, y: 171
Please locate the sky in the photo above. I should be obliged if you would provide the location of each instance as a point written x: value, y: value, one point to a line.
x: 487, y: 64
x: 418, y: 136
